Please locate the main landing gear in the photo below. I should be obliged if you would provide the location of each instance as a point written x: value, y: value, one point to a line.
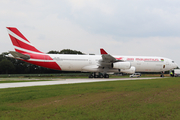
x: 162, y: 74
x: 98, y: 75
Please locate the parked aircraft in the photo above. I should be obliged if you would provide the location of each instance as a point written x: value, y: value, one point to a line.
x: 104, y: 63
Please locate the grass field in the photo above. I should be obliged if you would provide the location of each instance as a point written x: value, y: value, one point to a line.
x: 131, y: 100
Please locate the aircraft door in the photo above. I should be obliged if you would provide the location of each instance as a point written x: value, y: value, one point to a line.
x: 165, y: 65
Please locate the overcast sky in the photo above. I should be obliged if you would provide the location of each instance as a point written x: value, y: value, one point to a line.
x: 121, y: 27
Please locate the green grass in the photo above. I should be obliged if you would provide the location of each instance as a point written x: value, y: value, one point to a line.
x: 67, y: 75
x: 121, y: 100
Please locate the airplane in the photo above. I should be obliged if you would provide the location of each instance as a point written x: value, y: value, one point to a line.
x: 105, y: 63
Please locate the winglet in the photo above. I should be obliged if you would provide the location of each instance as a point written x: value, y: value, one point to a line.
x: 103, y: 51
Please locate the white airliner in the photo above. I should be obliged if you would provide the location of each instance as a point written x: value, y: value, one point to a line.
x: 104, y: 63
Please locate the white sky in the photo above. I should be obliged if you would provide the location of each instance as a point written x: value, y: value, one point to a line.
x: 121, y: 27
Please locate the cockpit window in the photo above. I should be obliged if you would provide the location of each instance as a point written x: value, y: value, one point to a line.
x: 172, y: 61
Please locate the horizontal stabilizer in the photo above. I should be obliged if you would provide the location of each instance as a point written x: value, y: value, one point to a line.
x: 19, y: 55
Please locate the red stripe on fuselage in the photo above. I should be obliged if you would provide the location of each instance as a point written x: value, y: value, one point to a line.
x: 17, y: 32
x: 44, y: 61
x: 39, y: 56
x: 50, y: 65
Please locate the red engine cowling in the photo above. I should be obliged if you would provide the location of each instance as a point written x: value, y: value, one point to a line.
x: 121, y: 65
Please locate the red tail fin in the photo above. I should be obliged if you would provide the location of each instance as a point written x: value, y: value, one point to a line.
x: 21, y: 44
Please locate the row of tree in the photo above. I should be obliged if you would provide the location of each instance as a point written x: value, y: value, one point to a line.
x: 13, y: 66
x: 65, y: 51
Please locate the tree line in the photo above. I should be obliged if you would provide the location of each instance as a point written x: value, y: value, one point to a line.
x: 13, y: 66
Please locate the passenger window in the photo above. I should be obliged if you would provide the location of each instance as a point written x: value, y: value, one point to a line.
x: 172, y: 61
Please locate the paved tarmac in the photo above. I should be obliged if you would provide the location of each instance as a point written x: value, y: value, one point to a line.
x: 64, y: 81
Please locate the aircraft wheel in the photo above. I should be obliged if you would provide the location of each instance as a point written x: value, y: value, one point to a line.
x: 101, y: 76
x: 106, y: 76
x: 162, y: 76
x: 96, y: 76
x: 91, y: 76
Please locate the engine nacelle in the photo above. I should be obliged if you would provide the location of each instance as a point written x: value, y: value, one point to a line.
x: 130, y: 71
x: 121, y: 65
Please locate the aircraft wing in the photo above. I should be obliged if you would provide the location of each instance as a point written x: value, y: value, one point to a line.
x: 19, y: 55
x: 107, y: 58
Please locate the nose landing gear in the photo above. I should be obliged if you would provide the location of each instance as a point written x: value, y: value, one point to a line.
x: 162, y: 74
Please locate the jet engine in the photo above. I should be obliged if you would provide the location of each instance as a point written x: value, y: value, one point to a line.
x: 130, y: 71
x: 121, y: 65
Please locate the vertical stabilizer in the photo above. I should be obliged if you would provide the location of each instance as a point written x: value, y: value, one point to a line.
x: 20, y: 43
